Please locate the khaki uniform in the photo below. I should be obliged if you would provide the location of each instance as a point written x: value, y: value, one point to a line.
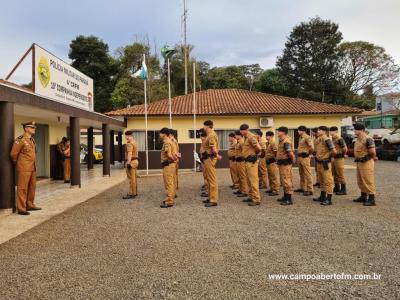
x: 315, y: 164
x: 201, y: 155
x: 338, y: 161
x: 249, y: 152
x: 365, y: 170
x: 304, y: 163
x: 23, y: 154
x: 285, y: 165
x: 131, y: 172
x: 176, y: 150
x: 169, y: 171
x: 272, y: 167
x: 66, y: 160
x: 210, y: 166
x: 241, y: 167
x: 262, y: 166
x: 323, y: 146
x: 232, y: 163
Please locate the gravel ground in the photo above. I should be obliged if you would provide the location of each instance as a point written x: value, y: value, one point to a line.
x: 120, y: 249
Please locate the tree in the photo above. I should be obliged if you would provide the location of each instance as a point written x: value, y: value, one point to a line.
x: 252, y: 73
x: 364, y: 66
x: 273, y: 82
x: 309, y: 62
x: 226, y: 78
x: 90, y: 55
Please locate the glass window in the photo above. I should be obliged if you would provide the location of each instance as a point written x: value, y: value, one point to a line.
x: 153, y: 139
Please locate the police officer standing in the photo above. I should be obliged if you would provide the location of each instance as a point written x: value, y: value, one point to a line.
x: 285, y: 159
x: 262, y: 166
x: 338, y: 161
x: 324, y: 150
x: 315, y: 136
x: 305, y: 148
x: 232, y: 161
x: 241, y: 166
x: 210, y: 157
x: 175, y: 144
x: 65, y: 151
x: 251, y: 148
x: 272, y: 167
x: 365, y: 157
x: 132, y: 164
x: 23, y: 154
x: 168, y: 158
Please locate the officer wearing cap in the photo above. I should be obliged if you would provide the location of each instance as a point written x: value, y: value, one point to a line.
x: 338, y: 161
x: 241, y: 166
x: 132, y: 164
x: 272, y: 167
x: 365, y: 157
x: 315, y: 136
x: 305, y: 148
x: 285, y: 159
x: 210, y: 157
x: 251, y: 148
x: 23, y: 154
x: 175, y: 144
x: 203, y: 136
x: 168, y: 162
x: 324, y: 150
x: 65, y: 151
x: 262, y: 166
x: 232, y: 161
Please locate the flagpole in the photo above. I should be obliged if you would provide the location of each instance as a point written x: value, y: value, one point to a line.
x: 194, y: 114
x: 169, y: 93
x: 145, y: 121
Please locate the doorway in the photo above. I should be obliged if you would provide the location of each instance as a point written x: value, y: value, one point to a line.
x: 42, y: 151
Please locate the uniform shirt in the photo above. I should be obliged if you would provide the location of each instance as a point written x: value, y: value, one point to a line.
x: 61, y: 147
x: 285, y: 145
x: 305, y: 142
x: 323, y: 146
x: 340, y: 144
x: 362, y: 144
x: 167, y: 150
x: 232, y: 148
x: 175, y: 145
x: 263, y: 144
x: 239, y: 148
x: 272, y: 149
x: 249, y: 145
x: 210, y: 142
x: 23, y: 154
x: 131, y: 147
x: 202, y: 146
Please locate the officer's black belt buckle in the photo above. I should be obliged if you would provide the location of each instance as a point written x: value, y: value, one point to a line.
x: 339, y: 155
x: 251, y: 158
x: 284, y: 162
x: 270, y: 161
x: 232, y: 158
x: 303, y: 154
x: 239, y: 159
x: 363, y: 159
x: 166, y: 163
x: 325, y: 163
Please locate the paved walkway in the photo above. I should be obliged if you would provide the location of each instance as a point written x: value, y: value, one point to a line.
x: 109, y: 248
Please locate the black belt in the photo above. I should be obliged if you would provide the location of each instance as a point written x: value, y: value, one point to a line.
x: 339, y: 155
x: 251, y: 158
x: 303, y: 154
x: 205, y: 156
x: 239, y: 159
x: 166, y: 163
x: 232, y: 158
x: 270, y: 161
x: 284, y: 162
x: 363, y: 159
x: 325, y: 163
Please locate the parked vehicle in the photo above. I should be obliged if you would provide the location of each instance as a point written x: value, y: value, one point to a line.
x: 388, y: 152
x: 347, y: 133
x: 377, y: 134
x: 97, y: 154
x: 392, y: 137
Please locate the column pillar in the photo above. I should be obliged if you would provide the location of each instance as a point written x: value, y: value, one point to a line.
x: 7, y: 182
x: 120, y: 148
x: 106, y: 149
x: 75, y: 132
x: 112, y: 156
x: 90, y: 148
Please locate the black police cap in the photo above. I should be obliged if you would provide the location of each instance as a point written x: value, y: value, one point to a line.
x: 237, y: 132
x: 283, y: 129
x: 333, y: 128
x: 269, y: 133
x: 315, y: 130
x: 232, y: 135
x: 244, y: 127
x: 129, y: 132
x: 208, y: 123
x: 29, y: 124
x: 165, y: 130
x: 323, y: 128
x: 359, y: 126
x: 302, y: 128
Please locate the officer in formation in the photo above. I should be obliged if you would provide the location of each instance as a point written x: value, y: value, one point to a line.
x: 203, y: 136
x: 338, y: 161
x: 304, y: 151
x: 232, y: 161
x: 64, y: 149
x: 132, y: 164
x: 314, y: 134
x: 262, y: 166
x: 240, y: 166
x: 365, y: 157
x: 173, y: 136
x: 271, y: 162
x: 23, y: 154
x: 168, y: 162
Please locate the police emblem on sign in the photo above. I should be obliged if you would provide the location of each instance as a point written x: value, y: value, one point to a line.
x: 43, y: 71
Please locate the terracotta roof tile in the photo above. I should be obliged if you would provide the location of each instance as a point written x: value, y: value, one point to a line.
x: 235, y: 102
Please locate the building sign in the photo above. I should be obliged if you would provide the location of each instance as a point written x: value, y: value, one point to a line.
x: 59, y: 81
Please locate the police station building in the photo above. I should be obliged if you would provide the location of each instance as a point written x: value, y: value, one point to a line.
x: 61, y: 103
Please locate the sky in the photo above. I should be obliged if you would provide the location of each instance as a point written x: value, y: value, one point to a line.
x: 223, y: 32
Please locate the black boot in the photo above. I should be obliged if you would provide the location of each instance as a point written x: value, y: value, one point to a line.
x: 283, y: 198
x: 370, y: 201
x: 336, y: 188
x: 362, y: 198
x: 342, y: 190
x: 327, y: 200
x: 321, y: 197
x: 288, y: 200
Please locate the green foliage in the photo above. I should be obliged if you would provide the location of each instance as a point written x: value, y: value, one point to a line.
x: 90, y: 55
x: 226, y: 78
x: 271, y: 81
